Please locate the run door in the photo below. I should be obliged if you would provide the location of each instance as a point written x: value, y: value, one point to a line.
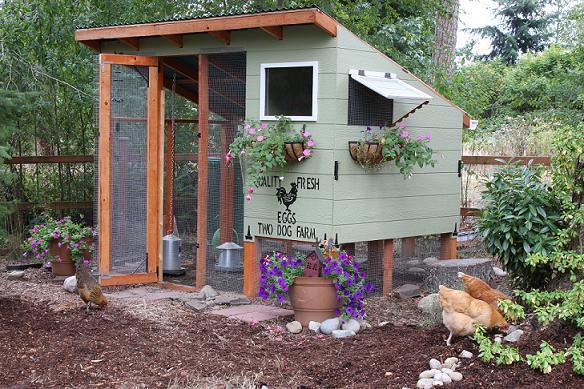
x: 129, y: 169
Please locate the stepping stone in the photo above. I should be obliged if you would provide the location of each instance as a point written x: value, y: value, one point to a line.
x: 408, y: 291
x: 253, y: 312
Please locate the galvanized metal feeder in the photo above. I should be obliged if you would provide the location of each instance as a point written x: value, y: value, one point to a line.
x: 229, y: 257
x: 171, y: 255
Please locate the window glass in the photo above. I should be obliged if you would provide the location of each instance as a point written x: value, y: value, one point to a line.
x: 288, y: 91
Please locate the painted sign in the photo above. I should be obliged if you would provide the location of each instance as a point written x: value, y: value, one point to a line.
x: 287, y: 225
x: 312, y: 268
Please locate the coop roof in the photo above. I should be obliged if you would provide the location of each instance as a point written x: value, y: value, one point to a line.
x: 220, y: 26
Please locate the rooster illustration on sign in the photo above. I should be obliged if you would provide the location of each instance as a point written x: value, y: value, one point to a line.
x: 287, y: 198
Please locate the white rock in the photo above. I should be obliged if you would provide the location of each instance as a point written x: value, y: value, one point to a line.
x: 451, y: 363
x: 351, y: 325
x: 70, y: 284
x: 445, y: 378
x: 383, y: 323
x: 514, y: 336
x: 446, y: 370
x: 466, y: 354
x: 425, y: 383
x: 209, y: 292
x: 498, y: 339
x: 455, y: 376
x: 437, y: 383
x: 343, y: 333
x: 294, y: 327
x: 430, y: 260
x: 414, y: 262
x: 435, y: 364
x: 15, y: 275
x: 314, y: 326
x: 499, y: 272
x: 364, y: 325
x: 328, y: 326
x: 429, y: 373
x: 430, y: 303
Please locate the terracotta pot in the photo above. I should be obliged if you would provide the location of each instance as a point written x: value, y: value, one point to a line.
x: 294, y: 150
x: 367, y: 153
x: 64, y: 266
x: 313, y: 298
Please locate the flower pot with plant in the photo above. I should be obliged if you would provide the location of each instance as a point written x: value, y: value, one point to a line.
x: 339, y: 290
x: 379, y: 146
x: 62, y: 243
x: 263, y: 147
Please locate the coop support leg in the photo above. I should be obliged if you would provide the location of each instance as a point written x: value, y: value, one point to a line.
x: 251, y: 269
x: 408, y: 247
x: 387, y: 266
x: 447, y: 246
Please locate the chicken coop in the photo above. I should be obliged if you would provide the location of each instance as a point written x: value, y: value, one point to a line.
x: 172, y: 96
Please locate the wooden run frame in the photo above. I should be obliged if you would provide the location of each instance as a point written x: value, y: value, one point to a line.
x: 154, y: 169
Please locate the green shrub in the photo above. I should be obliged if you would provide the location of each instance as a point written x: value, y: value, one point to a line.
x: 521, y: 216
x: 545, y: 358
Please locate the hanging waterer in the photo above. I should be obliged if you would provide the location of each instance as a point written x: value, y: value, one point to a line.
x: 171, y: 255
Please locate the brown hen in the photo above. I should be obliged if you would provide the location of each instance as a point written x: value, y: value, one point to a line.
x: 479, y: 289
x: 88, y: 288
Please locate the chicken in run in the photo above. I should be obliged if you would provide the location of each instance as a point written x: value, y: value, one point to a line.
x: 461, y: 311
x: 88, y: 287
x: 479, y: 289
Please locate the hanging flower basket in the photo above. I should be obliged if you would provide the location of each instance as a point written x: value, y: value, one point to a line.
x: 294, y: 151
x: 366, y: 153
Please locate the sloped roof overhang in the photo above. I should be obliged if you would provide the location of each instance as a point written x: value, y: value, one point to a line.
x: 220, y: 27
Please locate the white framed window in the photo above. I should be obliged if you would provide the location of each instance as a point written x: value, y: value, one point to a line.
x: 289, y: 89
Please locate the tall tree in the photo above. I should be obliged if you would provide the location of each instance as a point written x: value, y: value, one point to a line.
x: 444, y: 52
x: 524, y: 28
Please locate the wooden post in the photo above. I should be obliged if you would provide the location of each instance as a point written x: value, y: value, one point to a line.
x: 408, y: 246
x: 447, y: 246
x: 387, y: 266
x: 226, y: 187
x: 251, y: 272
x: 123, y: 177
x: 153, y: 159
x: 169, y: 182
x: 104, y: 191
x: 203, y: 171
x: 161, y: 121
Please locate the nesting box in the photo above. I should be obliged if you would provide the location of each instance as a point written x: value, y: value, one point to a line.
x: 300, y: 63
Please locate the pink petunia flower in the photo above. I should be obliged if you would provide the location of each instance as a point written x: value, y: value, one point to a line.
x: 306, y: 152
x: 428, y: 135
x: 264, y: 126
x: 306, y: 134
x: 420, y: 137
x: 260, y: 138
x: 402, y: 125
x: 251, y: 131
x: 247, y: 126
x: 250, y: 190
x: 248, y: 197
x: 310, y: 143
x: 404, y: 134
x: 228, y: 157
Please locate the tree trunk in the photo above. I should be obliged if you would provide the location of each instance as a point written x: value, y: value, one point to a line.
x: 444, y: 52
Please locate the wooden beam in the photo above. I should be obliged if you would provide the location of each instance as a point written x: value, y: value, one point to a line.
x: 464, y: 211
x: 387, y: 266
x: 219, y: 23
x: 161, y: 122
x: 153, y: 144
x: 179, y: 67
x: 129, y: 60
x: 496, y: 160
x: 465, y: 120
x: 133, y: 43
x: 56, y: 205
x: 127, y: 279
x: 104, y: 168
x: 181, y: 91
x: 224, y: 36
x: 274, y: 31
x: 226, y: 188
x: 94, y: 45
x: 202, y: 182
x: 447, y: 246
x: 408, y: 246
x: 175, y: 39
x: 251, y: 274
x: 49, y: 159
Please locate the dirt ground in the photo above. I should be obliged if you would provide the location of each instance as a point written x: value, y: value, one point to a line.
x: 47, y: 340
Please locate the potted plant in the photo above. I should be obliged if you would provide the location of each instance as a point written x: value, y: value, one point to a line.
x: 62, y: 242
x: 379, y: 146
x: 265, y: 146
x: 338, y: 291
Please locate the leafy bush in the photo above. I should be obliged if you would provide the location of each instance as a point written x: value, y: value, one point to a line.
x: 521, y: 216
x: 512, y: 311
x: 545, y: 358
x: 576, y: 354
x: 488, y: 350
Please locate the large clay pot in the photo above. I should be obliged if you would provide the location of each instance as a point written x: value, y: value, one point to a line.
x: 64, y: 266
x: 313, y: 298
